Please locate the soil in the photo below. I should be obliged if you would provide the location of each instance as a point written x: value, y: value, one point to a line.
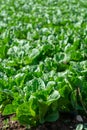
x: 65, y: 122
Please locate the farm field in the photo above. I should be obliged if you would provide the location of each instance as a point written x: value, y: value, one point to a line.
x: 43, y: 61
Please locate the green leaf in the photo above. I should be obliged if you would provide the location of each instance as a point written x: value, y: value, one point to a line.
x: 79, y: 127
x: 53, y: 97
x: 9, y: 109
x: 52, y: 116
x: 25, y: 113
